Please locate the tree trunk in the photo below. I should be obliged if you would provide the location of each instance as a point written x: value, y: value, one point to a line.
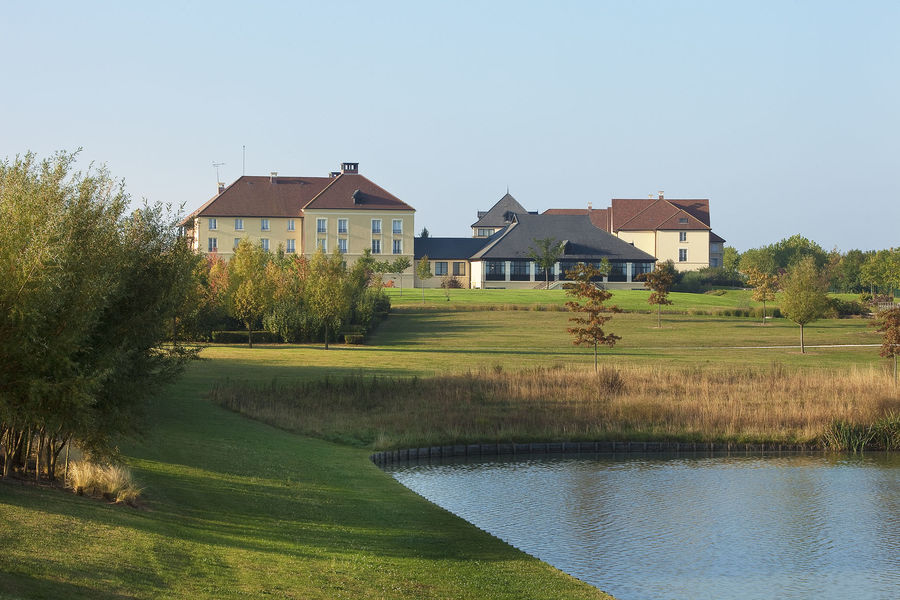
x: 895, y: 369
x: 764, y: 312
x: 326, y: 335
x: 595, y: 357
x: 400, y: 277
x: 547, y: 277
x: 659, y: 316
x: 423, y: 291
x: 802, y: 347
x: 250, y: 334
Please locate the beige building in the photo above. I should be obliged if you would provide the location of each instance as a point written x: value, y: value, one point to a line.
x: 344, y: 211
x: 669, y: 229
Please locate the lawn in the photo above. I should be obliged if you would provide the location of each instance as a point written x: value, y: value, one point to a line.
x: 235, y: 508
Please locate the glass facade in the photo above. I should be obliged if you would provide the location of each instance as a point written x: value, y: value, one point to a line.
x: 495, y: 270
x: 520, y: 270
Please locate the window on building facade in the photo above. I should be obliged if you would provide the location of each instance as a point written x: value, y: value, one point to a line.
x: 397, y: 226
x: 376, y: 246
x: 212, y: 224
x: 239, y: 224
x: 485, y: 232
x: 459, y: 268
x: 321, y: 225
x: 376, y: 226
x: 440, y: 268
x: 682, y: 220
x: 342, y: 225
x: 641, y: 267
x: 520, y: 270
x: 617, y: 272
x: 322, y: 245
x: 213, y: 245
x: 682, y: 236
x: 291, y: 248
x: 264, y: 224
x: 264, y: 242
x: 714, y: 262
x: 342, y: 246
x: 495, y: 270
x: 398, y: 246
x: 682, y: 255
x: 290, y: 225
x: 237, y: 242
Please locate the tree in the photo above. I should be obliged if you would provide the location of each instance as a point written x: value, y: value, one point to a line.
x: 250, y: 287
x: 545, y: 253
x: 731, y: 260
x: 423, y: 272
x: 588, y: 329
x: 87, y: 296
x: 760, y: 259
x: 328, y: 293
x: 888, y: 323
x: 398, y: 266
x: 424, y: 233
x: 660, y: 281
x: 764, y: 286
x: 804, y: 294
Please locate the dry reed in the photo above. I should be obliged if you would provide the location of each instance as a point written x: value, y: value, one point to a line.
x: 112, y: 482
x: 627, y: 403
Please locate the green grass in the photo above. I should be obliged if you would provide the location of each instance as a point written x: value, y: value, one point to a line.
x: 235, y: 508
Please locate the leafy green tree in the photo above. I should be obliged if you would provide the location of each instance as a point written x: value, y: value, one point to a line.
x: 589, y: 302
x: 398, y: 266
x: 251, y: 288
x: 804, y: 298
x: 423, y: 272
x: 759, y: 259
x: 846, y: 276
x: 792, y: 250
x: 424, y: 233
x: 731, y: 260
x: 88, y: 293
x: 764, y: 286
x: 545, y: 253
x: 605, y: 267
x: 660, y: 281
x: 888, y: 323
x: 328, y: 292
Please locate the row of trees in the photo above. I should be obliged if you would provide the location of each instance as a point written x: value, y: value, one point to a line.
x: 853, y: 271
x: 88, y: 290
x: 293, y: 297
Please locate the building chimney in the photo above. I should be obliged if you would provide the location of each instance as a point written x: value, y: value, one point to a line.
x: 334, y: 174
x: 351, y: 168
x: 660, y: 194
x: 650, y: 196
x: 221, y: 187
x: 273, y: 177
x: 590, y: 206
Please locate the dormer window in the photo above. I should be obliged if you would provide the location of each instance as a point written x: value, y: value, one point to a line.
x: 682, y: 220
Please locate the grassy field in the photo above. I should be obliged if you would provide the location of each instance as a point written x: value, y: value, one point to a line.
x: 235, y: 508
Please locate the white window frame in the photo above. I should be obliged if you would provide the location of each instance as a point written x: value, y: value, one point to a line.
x: 264, y: 242
x: 376, y: 246
x: 682, y: 255
x: 322, y: 244
x: 343, y: 226
x: 237, y: 242
x: 376, y: 229
x: 212, y: 244
x: 682, y: 236
x: 264, y: 225
x: 291, y: 246
x: 290, y: 225
x: 397, y: 247
x: 321, y: 225
x: 238, y: 224
x: 342, y: 245
x: 397, y: 226
x: 212, y: 223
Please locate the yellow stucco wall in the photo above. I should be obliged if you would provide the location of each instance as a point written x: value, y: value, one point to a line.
x: 697, y: 245
x: 226, y: 233
x: 435, y: 281
x: 642, y: 240
x: 359, y: 234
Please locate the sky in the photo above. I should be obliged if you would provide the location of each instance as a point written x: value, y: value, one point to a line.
x: 785, y: 114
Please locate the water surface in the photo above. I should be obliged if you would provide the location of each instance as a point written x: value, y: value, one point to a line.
x: 654, y: 527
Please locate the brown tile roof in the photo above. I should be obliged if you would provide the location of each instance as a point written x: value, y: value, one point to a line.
x: 715, y: 239
x: 633, y: 214
x: 599, y: 216
x: 351, y: 191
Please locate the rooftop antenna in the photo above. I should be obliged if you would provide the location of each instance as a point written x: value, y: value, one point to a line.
x: 243, y: 159
x: 217, y: 165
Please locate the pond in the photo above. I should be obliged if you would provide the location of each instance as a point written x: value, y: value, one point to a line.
x: 645, y: 527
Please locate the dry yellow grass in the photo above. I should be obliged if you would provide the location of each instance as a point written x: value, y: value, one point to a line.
x: 627, y: 403
x: 112, y: 482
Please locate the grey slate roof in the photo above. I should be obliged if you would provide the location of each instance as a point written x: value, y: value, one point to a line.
x: 449, y: 248
x: 583, y: 240
x: 501, y: 213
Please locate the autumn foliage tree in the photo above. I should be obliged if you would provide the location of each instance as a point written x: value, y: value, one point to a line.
x: 660, y: 281
x: 764, y: 286
x: 888, y: 323
x: 589, y: 303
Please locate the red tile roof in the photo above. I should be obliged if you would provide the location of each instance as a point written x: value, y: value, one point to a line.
x: 638, y: 214
x: 353, y: 191
x: 599, y: 216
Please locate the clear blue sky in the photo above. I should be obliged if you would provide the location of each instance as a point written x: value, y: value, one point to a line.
x: 786, y: 115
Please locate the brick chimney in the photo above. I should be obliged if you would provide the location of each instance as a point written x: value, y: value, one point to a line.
x: 660, y: 194
x: 349, y: 168
x: 273, y: 177
x: 221, y: 187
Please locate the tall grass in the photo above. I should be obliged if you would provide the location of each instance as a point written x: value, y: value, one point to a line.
x: 628, y: 403
x: 113, y: 482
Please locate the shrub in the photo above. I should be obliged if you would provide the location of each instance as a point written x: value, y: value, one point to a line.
x: 844, y: 308
x: 240, y: 337
x: 450, y: 283
x: 112, y: 482
x: 353, y: 338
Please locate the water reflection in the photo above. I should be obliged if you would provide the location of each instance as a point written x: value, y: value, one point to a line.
x: 645, y: 527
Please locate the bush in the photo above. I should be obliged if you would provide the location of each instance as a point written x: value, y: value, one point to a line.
x: 353, y: 338
x: 108, y: 481
x: 450, y: 283
x: 844, y: 308
x: 240, y: 337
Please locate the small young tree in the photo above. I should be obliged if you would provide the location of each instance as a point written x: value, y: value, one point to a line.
x: 398, y: 266
x: 328, y: 294
x: 545, y: 253
x: 424, y: 233
x: 764, y: 286
x: 888, y: 323
x: 805, y: 294
x: 660, y: 281
x: 588, y: 329
x: 250, y: 288
x: 423, y: 272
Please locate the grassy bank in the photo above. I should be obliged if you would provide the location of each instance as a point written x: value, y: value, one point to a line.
x: 631, y: 402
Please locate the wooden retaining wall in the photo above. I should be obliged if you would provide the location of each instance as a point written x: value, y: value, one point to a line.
x: 436, y: 452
